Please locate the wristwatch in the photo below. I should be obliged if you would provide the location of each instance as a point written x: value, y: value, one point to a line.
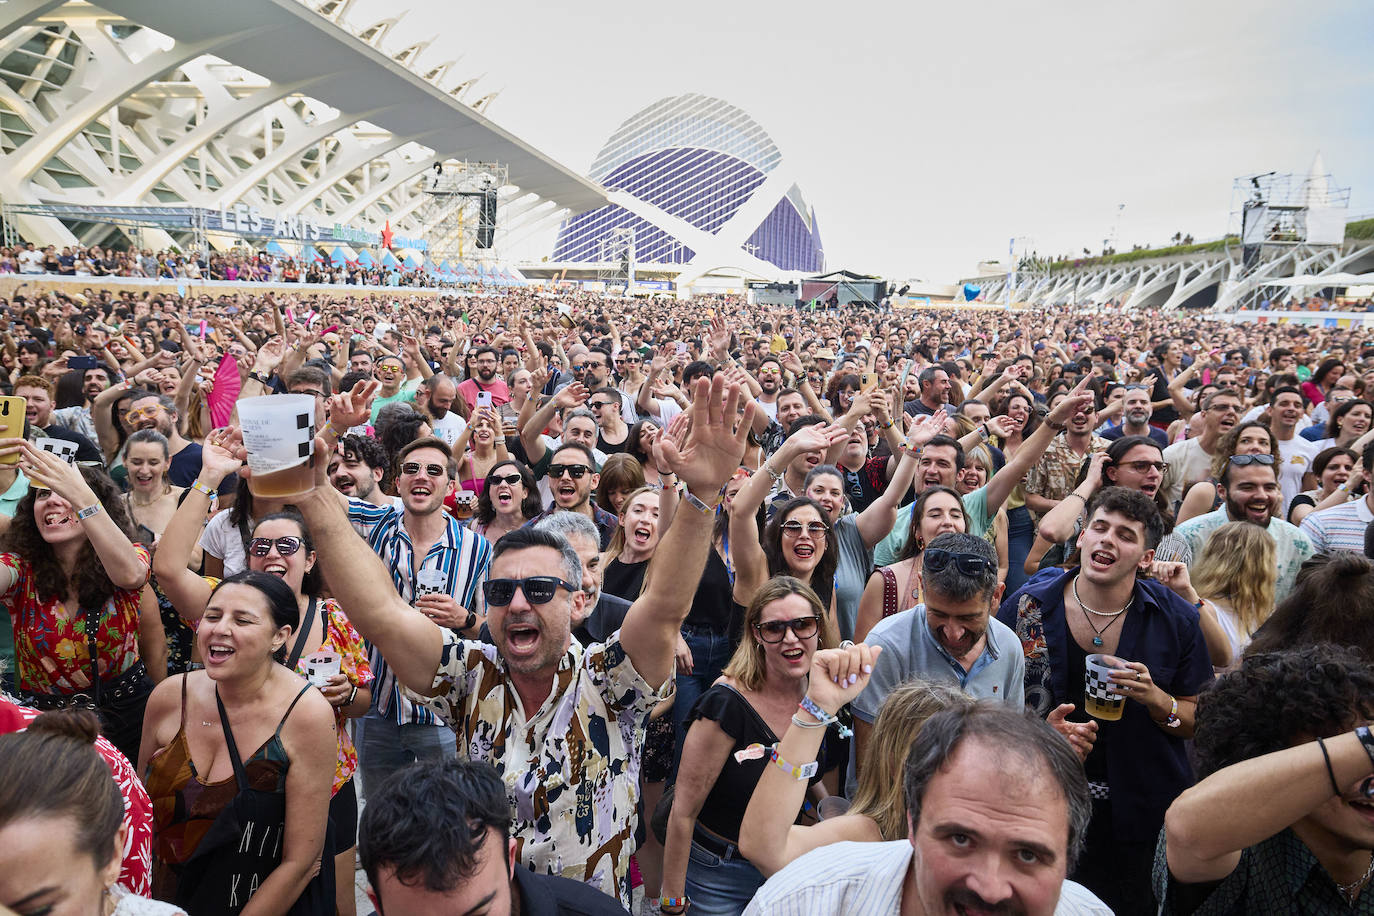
x: 471, y: 622
x: 258, y: 378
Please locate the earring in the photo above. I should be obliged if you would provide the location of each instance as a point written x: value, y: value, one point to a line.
x: 920, y: 543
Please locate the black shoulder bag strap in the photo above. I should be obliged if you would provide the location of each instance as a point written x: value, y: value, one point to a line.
x: 302, y: 636
x: 240, y: 775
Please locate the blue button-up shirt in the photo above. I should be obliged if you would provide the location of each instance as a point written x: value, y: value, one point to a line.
x: 1147, y: 767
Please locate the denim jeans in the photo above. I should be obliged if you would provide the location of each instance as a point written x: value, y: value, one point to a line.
x: 385, y: 747
x: 710, y: 652
x: 720, y: 886
x: 1020, y: 537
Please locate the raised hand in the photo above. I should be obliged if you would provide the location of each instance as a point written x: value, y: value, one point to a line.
x: 352, y: 408
x: 52, y: 472
x: 571, y: 396
x: 1078, y: 399
x: 716, y: 442
x: 926, y: 427
x: 223, y: 453
x: 840, y: 675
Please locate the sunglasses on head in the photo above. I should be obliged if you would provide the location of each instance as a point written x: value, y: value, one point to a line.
x: 969, y: 564
x: 575, y: 471
x: 413, y: 468
x: 1244, y: 461
x: 775, y: 631
x: 261, y: 547
x: 509, y: 479
x: 537, y: 589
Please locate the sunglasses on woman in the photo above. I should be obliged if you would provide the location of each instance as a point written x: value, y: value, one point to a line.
x: 775, y: 631
x: 795, y: 529
x: 508, y: 479
x: 261, y: 547
x: 537, y: 589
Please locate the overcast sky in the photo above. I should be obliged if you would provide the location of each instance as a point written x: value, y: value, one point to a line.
x: 926, y: 136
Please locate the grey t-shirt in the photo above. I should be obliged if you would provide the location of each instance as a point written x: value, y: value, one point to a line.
x: 851, y: 574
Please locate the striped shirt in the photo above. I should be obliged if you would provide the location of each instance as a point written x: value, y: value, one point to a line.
x: 1339, y: 527
x: 844, y: 879
x: 463, y: 556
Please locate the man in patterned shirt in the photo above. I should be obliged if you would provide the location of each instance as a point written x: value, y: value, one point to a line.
x: 1055, y: 476
x: 564, y: 725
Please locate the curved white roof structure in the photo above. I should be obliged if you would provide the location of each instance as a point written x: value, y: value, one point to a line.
x: 701, y: 185
x: 293, y: 108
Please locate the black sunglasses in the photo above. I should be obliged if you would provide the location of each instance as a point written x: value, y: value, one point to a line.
x: 261, y: 547
x: 1244, y: 461
x: 969, y: 564
x: 511, y: 479
x: 537, y: 589
x: 775, y: 631
x: 412, y: 468
x: 575, y: 471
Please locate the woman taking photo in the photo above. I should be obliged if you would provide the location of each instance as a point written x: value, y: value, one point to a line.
x: 509, y: 499
x: 281, y: 546
x: 72, y: 581
x: 62, y: 823
x: 897, y: 587
x: 246, y: 722
x: 478, y: 449
x: 731, y: 727
x: 1249, y: 438
x: 797, y: 541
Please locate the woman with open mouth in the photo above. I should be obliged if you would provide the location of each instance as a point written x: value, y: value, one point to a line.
x: 733, y: 728
x: 478, y: 450
x: 281, y: 546
x: 245, y: 731
x: 509, y: 499
x: 73, y: 582
x: 151, y: 502
x: 634, y: 542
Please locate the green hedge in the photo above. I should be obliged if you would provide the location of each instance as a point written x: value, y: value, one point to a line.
x: 1363, y: 229
x: 1126, y: 257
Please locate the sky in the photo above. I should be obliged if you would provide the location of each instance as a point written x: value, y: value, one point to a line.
x: 926, y: 136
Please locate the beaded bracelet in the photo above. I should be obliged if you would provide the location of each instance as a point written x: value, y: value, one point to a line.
x: 809, y: 705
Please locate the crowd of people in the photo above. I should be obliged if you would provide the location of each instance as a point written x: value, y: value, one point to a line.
x: 593, y: 605
x: 240, y: 264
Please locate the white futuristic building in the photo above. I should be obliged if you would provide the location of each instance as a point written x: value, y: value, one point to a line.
x: 296, y: 111
x: 700, y: 186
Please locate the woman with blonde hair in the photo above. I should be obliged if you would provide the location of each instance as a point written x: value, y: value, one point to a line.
x: 1235, y: 573
x: 731, y: 730
x: 878, y: 811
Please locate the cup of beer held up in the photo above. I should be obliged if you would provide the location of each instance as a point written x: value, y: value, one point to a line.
x: 1099, y: 699
x: 464, y: 504
x: 279, y: 434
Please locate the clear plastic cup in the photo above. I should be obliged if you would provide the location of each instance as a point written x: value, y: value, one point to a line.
x: 1099, y: 700
x: 320, y: 667
x: 279, y: 434
x: 430, y: 582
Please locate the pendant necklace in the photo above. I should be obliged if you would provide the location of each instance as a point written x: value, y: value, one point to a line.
x: 1097, y: 634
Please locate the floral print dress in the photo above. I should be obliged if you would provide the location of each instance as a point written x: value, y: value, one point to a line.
x: 51, y: 648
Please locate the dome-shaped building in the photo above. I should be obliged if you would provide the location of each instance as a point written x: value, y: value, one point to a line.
x: 701, y: 185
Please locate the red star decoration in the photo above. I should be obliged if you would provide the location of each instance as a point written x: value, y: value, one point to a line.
x: 387, y: 235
